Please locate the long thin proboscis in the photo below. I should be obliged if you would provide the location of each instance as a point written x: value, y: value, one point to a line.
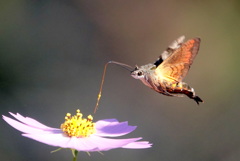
x: 125, y: 66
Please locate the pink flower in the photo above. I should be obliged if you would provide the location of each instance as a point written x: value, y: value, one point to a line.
x: 88, y: 137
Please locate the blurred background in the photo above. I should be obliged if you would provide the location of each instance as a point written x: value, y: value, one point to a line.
x: 52, y: 55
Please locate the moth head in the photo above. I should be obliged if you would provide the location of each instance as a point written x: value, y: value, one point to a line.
x: 137, y: 73
x: 140, y: 72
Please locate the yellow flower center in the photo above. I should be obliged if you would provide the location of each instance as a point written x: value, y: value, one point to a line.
x: 77, y: 126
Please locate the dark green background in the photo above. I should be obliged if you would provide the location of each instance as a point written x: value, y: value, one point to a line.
x: 52, y: 55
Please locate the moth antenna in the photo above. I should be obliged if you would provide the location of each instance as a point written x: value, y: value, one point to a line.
x: 125, y: 66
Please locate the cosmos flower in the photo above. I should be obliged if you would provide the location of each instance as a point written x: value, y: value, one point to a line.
x: 79, y: 133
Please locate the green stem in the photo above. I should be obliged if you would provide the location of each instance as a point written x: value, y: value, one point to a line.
x: 75, y: 154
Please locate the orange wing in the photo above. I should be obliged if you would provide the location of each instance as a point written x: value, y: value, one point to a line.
x: 177, y: 65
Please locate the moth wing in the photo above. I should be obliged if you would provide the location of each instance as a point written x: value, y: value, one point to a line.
x: 177, y: 65
x: 170, y: 50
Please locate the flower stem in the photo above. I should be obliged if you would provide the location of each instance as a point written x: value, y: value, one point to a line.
x: 75, y: 154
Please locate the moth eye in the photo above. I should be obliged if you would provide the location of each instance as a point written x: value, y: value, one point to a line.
x: 140, y: 73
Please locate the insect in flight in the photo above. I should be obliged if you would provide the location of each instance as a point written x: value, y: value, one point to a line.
x: 166, y: 74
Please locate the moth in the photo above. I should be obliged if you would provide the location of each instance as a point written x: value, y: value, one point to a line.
x: 166, y: 74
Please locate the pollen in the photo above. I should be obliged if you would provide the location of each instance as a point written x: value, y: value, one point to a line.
x: 77, y: 126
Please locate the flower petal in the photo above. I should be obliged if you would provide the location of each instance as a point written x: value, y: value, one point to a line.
x: 30, y: 121
x: 138, y: 145
x: 111, y: 128
x: 104, y: 144
x: 92, y: 143
x: 28, y: 129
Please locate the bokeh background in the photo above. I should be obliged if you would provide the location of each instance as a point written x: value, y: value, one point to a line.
x: 52, y: 55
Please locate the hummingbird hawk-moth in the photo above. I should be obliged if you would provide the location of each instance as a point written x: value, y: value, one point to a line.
x: 166, y: 74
